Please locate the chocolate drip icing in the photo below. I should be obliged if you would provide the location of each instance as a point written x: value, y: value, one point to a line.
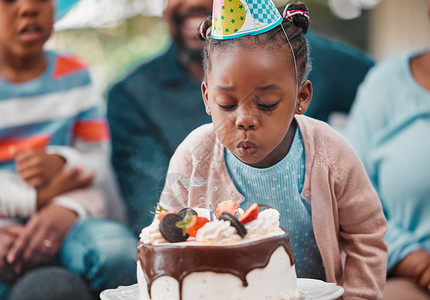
x: 177, y: 261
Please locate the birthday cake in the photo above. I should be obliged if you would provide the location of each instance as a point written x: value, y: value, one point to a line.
x: 197, y: 254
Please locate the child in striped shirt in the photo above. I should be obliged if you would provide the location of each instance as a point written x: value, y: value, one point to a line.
x: 53, y: 142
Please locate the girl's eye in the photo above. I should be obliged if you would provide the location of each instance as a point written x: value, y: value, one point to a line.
x: 227, y: 107
x: 267, y: 107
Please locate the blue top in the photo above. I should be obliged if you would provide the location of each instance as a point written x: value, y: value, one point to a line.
x: 280, y: 186
x: 389, y: 128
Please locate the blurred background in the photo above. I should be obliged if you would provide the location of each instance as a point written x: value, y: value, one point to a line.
x: 112, y: 36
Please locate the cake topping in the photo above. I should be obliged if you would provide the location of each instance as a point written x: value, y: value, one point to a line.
x: 241, y: 230
x: 199, y: 222
x: 250, y: 214
x: 152, y: 234
x: 267, y: 224
x: 191, y: 223
x: 183, y: 212
x: 217, y: 233
x: 169, y: 229
x: 262, y: 206
x: 161, y: 212
x: 257, y: 222
x: 228, y: 206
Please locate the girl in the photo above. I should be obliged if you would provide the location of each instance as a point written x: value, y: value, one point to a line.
x: 260, y: 149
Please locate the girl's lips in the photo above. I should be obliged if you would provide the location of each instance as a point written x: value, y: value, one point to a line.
x: 246, y: 148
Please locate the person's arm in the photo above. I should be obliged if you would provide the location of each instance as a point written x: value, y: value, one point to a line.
x: 44, y: 233
x: 416, y: 266
x: 365, y: 121
x: 362, y: 229
x: 8, y: 235
x: 89, y: 152
x: 41, y: 237
x: 17, y: 198
x: 89, y: 149
x: 138, y: 156
x: 36, y: 167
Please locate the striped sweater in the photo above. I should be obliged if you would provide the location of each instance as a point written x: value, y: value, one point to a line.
x: 57, y: 111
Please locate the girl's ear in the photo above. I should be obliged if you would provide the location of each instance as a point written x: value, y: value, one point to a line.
x: 304, y: 96
x: 205, y: 97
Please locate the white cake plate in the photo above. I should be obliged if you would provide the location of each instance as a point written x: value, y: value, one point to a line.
x: 317, y: 289
x: 313, y: 290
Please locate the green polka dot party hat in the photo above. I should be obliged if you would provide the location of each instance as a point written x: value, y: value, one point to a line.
x: 235, y: 18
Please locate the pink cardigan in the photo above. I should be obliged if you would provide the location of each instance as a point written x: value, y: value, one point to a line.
x: 347, y: 217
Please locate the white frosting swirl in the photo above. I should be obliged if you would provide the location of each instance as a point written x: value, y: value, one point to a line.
x: 266, y: 224
x: 203, y: 212
x: 152, y: 235
x: 217, y: 233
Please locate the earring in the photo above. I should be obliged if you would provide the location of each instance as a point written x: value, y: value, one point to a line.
x: 299, y: 109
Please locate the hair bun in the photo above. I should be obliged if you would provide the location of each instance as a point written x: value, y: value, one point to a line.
x: 299, y: 14
x: 204, y: 29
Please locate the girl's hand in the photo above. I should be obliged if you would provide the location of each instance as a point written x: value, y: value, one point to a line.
x: 65, y: 181
x: 36, y: 167
x: 8, y: 235
x: 416, y: 265
x: 41, y: 237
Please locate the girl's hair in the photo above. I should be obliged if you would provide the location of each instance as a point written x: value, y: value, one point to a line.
x: 295, y: 25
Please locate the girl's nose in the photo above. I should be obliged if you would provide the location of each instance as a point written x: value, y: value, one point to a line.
x: 247, y: 118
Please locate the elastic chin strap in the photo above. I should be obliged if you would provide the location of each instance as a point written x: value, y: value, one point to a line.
x: 294, y: 57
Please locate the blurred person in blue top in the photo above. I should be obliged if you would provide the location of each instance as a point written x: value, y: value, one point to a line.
x: 388, y: 126
x: 153, y: 108
x: 53, y: 159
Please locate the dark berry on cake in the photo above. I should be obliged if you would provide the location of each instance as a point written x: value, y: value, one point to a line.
x: 183, y: 212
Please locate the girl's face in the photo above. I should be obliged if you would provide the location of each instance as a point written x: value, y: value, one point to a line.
x: 252, y: 97
x: 25, y: 25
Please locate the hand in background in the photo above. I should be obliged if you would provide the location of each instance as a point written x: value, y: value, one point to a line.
x: 36, y: 167
x: 41, y: 237
x: 416, y: 265
x: 8, y: 235
x: 65, y: 181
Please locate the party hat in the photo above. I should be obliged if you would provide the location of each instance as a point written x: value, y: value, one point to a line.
x: 235, y: 18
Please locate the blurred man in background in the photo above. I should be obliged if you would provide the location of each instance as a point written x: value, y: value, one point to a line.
x: 153, y: 109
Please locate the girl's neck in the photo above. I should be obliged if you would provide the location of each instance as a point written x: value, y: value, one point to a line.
x: 420, y: 69
x: 22, y: 69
